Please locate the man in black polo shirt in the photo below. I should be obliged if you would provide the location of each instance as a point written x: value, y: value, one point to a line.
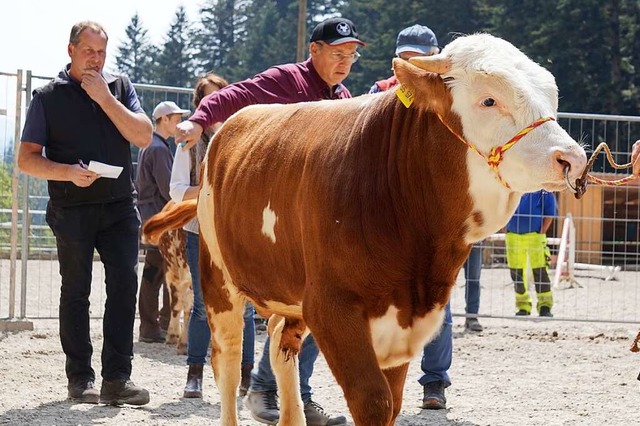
x: 86, y: 115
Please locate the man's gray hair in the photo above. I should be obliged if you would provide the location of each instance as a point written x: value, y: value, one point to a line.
x: 78, y: 28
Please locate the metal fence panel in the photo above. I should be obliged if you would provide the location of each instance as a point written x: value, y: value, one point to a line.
x: 606, y: 220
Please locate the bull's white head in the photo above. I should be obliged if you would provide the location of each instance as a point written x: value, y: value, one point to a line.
x: 497, y: 91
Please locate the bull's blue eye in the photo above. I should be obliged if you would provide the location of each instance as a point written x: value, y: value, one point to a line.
x: 489, y: 102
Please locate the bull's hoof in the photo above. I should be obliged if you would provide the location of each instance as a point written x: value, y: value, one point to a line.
x: 171, y: 339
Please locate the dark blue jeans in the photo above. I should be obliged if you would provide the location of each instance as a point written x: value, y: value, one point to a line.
x: 199, y: 334
x: 436, y: 356
x: 472, y: 269
x: 112, y: 229
x: 263, y: 379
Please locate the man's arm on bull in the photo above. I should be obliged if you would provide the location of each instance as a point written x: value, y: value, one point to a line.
x: 271, y: 86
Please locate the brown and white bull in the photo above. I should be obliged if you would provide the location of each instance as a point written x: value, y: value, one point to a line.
x: 352, y: 218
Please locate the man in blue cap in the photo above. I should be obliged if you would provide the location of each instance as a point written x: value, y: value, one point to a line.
x: 416, y: 40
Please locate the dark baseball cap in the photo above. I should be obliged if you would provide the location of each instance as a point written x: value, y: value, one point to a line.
x: 417, y: 38
x: 335, y: 31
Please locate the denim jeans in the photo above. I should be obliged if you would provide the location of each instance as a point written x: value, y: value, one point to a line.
x: 199, y: 334
x: 436, y: 356
x: 263, y: 379
x: 112, y: 229
x: 472, y: 269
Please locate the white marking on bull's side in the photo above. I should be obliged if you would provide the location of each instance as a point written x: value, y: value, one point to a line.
x: 269, y: 220
x: 395, y: 345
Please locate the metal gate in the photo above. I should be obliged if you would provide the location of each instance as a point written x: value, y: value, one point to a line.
x: 606, y: 221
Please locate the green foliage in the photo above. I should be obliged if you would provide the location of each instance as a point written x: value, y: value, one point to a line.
x: 174, y: 66
x: 589, y: 45
x: 135, y: 54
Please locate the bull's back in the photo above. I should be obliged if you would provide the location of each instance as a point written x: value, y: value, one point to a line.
x: 271, y: 168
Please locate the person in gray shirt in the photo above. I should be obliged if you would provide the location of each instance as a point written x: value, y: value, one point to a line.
x: 152, y: 183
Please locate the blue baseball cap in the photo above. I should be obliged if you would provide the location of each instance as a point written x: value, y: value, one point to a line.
x: 417, y: 38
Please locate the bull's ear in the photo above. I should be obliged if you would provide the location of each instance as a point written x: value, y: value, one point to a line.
x: 429, y: 89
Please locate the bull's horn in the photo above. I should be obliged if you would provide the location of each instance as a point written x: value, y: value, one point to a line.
x: 435, y: 63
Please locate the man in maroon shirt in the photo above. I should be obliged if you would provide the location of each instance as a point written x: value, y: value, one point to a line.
x: 333, y: 51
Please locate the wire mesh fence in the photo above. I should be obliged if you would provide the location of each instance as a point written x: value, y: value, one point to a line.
x: 606, y: 226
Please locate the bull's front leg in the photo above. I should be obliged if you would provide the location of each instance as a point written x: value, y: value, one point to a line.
x: 342, y: 332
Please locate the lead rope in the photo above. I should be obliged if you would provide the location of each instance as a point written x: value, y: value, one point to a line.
x: 581, y: 183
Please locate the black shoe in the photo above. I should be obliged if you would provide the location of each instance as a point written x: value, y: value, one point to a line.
x: 545, y: 311
x: 315, y: 415
x: 193, y: 388
x: 263, y: 406
x: 472, y: 324
x: 245, y: 379
x: 159, y: 337
x: 118, y: 392
x: 522, y: 313
x: 83, y: 391
x: 434, y: 398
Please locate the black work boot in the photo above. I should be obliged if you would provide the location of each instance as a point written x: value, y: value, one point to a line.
x: 545, y: 311
x: 119, y: 391
x: 434, y: 398
x: 245, y: 379
x: 83, y: 391
x: 472, y: 324
x: 193, y: 388
x: 263, y: 406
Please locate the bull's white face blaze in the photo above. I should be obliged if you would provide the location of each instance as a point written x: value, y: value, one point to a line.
x: 497, y: 91
x: 395, y: 345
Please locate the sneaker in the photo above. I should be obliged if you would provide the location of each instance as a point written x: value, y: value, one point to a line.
x: 263, y: 406
x: 522, y: 313
x: 118, y: 392
x: 472, y: 324
x: 316, y: 416
x: 83, y: 392
x: 434, y: 398
x: 545, y: 311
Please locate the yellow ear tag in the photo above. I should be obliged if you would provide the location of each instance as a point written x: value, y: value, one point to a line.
x: 405, y: 95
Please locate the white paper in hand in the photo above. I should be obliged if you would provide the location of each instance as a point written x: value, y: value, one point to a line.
x: 105, y: 170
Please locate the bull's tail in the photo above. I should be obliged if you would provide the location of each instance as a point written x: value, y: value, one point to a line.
x: 172, y: 216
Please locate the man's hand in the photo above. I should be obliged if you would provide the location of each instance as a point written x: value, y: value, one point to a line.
x: 635, y: 152
x: 95, y: 86
x: 188, y: 132
x: 80, y: 176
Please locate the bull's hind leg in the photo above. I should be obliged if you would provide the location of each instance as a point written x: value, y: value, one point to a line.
x: 224, y: 308
x: 287, y: 336
x: 342, y: 333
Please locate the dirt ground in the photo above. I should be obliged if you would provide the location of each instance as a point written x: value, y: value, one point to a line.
x: 573, y: 370
x: 513, y: 373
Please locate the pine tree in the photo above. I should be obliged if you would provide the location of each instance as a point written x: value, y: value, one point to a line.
x: 174, y: 66
x: 135, y: 54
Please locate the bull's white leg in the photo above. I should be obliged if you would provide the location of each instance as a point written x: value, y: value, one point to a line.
x: 285, y: 368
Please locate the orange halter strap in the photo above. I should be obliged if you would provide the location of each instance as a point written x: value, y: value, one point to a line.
x: 496, y: 155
